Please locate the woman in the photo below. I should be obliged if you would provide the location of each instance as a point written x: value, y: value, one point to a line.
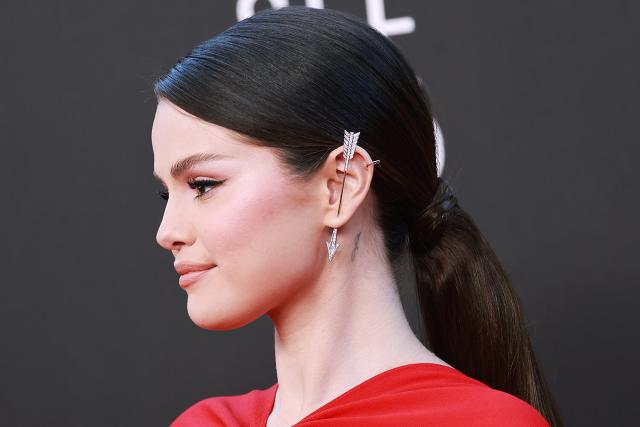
x: 298, y: 157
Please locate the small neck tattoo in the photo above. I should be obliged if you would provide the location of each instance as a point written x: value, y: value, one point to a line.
x: 355, y: 246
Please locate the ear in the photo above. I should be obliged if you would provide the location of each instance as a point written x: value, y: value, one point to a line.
x: 356, y: 185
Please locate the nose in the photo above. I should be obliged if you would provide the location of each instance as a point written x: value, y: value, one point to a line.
x: 173, y: 232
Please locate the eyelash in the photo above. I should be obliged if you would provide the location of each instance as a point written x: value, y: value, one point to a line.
x: 195, y: 184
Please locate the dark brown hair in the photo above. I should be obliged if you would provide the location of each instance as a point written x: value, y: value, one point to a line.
x: 294, y: 79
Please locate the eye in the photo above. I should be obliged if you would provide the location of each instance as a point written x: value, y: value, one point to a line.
x: 200, y: 185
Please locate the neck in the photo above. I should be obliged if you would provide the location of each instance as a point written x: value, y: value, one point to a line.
x: 346, y: 327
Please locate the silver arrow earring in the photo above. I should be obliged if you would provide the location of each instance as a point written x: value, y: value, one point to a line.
x: 349, y: 148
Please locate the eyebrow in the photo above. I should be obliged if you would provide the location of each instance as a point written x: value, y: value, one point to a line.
x: 182, y: 166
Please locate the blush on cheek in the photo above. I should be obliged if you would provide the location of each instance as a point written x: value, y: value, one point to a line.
x: 263, y: 243
x: 248, y: 219
x: 263, y: 221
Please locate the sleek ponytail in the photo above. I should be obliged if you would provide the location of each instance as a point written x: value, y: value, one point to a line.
x: 471, y: 313
x: 294, y: 79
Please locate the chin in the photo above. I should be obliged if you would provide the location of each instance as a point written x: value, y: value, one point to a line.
x: 212, y: 318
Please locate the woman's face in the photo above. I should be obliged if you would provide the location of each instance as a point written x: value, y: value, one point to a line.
x: 261, y: 230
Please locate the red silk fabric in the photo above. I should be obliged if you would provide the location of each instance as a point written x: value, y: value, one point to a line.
x: 418, y: 394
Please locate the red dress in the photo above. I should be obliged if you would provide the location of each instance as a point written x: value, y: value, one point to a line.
x: 417, y: 394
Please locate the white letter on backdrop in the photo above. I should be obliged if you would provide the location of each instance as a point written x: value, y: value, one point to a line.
x: 246, y: 8
x: 389, y: 27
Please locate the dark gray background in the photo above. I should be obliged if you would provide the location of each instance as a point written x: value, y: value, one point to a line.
x: 538, y: 102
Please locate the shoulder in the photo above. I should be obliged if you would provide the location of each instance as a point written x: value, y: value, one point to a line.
x: 425, y: 394
x: 236, y: 410
x: 485, y: 406
x: 466, y: 401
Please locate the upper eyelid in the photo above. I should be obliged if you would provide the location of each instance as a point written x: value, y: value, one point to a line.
x: 194, y: 183
x: 212, y: 181
x: 188, y: 180
x: 200, y: 184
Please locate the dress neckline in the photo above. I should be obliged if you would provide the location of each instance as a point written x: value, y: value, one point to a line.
x: 358, y: 386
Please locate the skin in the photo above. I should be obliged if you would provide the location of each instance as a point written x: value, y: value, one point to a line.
x: 266, y: 233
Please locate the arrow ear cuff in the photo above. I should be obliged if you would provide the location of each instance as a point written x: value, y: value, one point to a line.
x: 349, y: 148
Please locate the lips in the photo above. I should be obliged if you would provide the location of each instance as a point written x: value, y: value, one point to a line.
x: 190, y: 272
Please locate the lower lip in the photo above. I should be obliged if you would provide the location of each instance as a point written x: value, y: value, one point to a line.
x: 192, y: 277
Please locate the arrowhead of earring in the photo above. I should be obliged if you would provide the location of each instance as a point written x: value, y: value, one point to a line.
x: 333, y: 245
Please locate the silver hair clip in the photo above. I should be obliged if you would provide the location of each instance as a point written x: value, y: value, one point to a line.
x: 349, y: 148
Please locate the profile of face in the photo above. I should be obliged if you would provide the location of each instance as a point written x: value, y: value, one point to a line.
x: 239, y: 211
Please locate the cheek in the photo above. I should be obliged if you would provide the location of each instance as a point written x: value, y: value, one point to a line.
x: 266, y: 242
